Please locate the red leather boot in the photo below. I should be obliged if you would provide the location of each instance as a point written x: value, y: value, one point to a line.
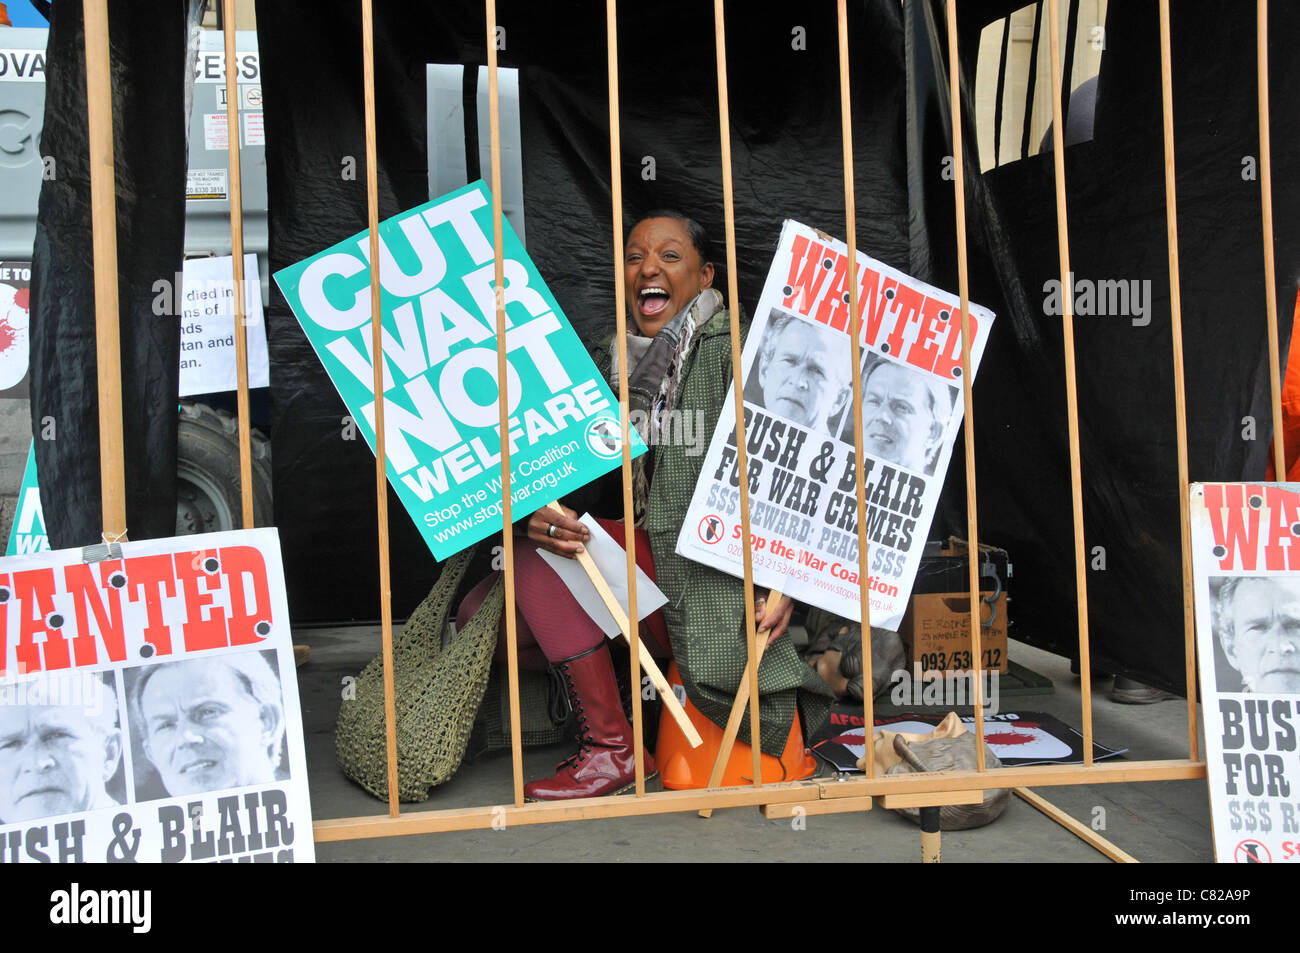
x: 604, y: 762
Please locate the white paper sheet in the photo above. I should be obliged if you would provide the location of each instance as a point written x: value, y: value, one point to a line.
x: 611, y: 559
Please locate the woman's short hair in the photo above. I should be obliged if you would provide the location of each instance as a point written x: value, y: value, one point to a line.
x: 694, y: 230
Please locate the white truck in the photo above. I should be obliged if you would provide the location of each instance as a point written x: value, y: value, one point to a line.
x: 208, y: 457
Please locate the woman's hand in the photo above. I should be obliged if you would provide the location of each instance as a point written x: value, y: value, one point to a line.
x: 774, y: 619
x: 562, y: 535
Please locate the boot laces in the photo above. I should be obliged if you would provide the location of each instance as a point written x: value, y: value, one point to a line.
x: 583, y: 737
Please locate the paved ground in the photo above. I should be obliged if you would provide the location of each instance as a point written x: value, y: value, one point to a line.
x: 1158, y: 821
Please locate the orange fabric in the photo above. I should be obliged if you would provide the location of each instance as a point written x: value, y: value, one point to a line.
x: 1291, y: 405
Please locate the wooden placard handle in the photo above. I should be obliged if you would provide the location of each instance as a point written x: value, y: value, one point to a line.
x: 738, y: 707
x: 647, y: 660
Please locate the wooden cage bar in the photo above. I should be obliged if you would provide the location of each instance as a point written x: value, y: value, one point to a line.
x: 234, y: 141
x: 855, y: 375
x: 624, y: 407
x: 1180, y: 390
x: 103, y: 212
x: 1071, y: 382
x: 507, y: 522
x: 381, y: 457
x: 967, y: 378
x: 1266, y: 208
x: 742, y: 453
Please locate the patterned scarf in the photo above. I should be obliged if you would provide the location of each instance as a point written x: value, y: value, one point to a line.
x: 654, y: 371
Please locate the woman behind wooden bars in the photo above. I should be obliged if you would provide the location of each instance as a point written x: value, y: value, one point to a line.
x: 679, y: 356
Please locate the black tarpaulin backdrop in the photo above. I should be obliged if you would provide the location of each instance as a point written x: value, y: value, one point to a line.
x: 148, y: 51
x: 1116, y: 206
x: 785, y: 129
x: 786, y: 149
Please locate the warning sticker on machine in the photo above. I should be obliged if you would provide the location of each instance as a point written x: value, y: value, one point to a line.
x: 214, y: 132
x: 254, y: 134
x: 206, y: 184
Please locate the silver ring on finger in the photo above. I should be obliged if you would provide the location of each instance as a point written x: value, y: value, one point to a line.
x: 551, y: 531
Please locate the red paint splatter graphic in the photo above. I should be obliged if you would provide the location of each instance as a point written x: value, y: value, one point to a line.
x: 1008, y: 738
x: 8, y: 335
x: 848, y: 738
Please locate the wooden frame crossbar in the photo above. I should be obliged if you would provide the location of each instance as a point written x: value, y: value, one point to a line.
x: 816, y: 791
x: 777, y: 799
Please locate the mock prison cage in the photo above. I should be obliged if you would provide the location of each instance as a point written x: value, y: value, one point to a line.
x: 785, y: 799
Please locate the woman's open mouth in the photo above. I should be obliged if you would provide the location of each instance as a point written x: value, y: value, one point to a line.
x: 652, y: 301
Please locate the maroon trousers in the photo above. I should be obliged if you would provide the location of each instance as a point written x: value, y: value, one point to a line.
x: 550, y: 624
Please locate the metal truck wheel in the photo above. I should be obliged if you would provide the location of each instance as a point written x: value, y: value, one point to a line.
x: 207, y: 472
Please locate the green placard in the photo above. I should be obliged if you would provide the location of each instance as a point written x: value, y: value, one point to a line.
x: 440, y: 388
x: 28, y: 532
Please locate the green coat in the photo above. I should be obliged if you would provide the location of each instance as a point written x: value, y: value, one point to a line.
x: 705, y: 611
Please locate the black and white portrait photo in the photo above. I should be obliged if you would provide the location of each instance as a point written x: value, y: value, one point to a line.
x: 60, y: 746
x: 206, y: 724
x: 801, y: 372
x: 905, y: 414
x: 1257, y: 633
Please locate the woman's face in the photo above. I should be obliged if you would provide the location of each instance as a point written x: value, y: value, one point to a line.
x: 663, y: 272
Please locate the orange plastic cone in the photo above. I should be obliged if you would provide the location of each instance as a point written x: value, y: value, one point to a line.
x: 683, y: 767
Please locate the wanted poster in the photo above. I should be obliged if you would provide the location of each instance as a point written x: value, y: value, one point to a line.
x: 798, y: 380
x: 438, y: 319
x: 1246, y: 568
x: 149, y: 705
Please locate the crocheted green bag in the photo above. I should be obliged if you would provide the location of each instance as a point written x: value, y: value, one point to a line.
x: 438, y: 691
